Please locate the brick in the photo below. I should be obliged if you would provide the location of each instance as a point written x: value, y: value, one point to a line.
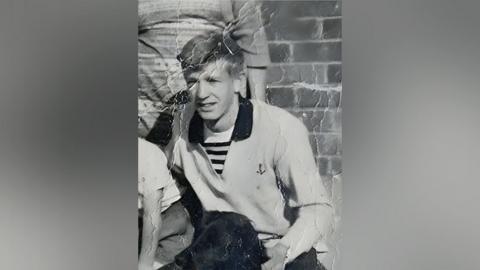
x: 314, y: 74
x: 327, y: 143
x: 310, y: 98
x: 314, y: 51
x: 279, y: 52
x: 323, y: 166
x: 334, y: 99
x: 328, y: 183
x: 329, y: 166
x: 301, y: 8
x: 334, y: 73
x: 275, y: 75
x: 331, y: 121
x: 284, y: 75
x: 339, y: 145
x: 314, y: 144
x: 282, y: 97
x: 332, y: 28
x: 288, y: 28
x: 335, y: 165
x: 312, y: 119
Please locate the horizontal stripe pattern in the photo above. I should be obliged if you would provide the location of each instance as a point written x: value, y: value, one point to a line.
x: 216, y: 144
x: 217, y: 153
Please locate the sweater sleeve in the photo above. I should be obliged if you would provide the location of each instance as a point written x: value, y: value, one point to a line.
x: 296, y: 167
x: 251, y: 32
x: 304, y: 189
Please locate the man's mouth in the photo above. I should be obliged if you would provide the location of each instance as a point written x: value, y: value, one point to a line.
x: 206, y: 105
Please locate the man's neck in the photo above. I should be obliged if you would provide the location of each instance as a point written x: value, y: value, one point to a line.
x: 227, y: 120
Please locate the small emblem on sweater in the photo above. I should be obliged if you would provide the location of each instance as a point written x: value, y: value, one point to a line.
x: 260, y: 170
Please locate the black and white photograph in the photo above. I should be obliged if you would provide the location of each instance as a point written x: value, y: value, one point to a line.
x: 239, y: 134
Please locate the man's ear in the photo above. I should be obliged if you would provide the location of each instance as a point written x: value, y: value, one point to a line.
x: 240, y: 82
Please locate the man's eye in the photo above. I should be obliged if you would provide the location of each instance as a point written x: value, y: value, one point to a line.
x: 191, y: 83
x: 212, y: 80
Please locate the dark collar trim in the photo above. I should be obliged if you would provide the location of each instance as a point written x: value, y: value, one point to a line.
x: 241, y: 131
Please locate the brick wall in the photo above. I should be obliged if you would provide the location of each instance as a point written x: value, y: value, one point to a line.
x: 305, y: 77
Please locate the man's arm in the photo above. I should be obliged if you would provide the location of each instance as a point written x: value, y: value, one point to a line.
x: 311, y: 225
x: 300, y: 238
x: 151, y: 228
x: 299, y: 174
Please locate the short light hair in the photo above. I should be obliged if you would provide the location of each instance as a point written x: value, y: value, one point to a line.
x: 209, y: 47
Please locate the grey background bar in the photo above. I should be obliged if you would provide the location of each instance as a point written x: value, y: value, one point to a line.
x: 68, y: 134
x: 410, y: 134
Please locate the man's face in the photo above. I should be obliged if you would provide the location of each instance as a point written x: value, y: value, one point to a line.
x: 213, y: 90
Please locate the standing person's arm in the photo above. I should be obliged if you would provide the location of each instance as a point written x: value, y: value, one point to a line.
x: 252, y: 38
x: 257, y: 81
x: 151, y: 228
x: 299, y: 174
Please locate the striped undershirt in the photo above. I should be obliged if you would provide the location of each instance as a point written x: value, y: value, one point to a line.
x: 216, y: 145
x: 217, y: 153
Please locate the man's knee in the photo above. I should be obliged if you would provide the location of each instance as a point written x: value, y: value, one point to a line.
x: 176, y: 233
x: 175, y: 220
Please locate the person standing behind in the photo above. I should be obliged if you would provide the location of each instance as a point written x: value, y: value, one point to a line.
x: 164, y: 28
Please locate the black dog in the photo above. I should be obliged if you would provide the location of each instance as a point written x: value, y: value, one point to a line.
x: 224, y: 241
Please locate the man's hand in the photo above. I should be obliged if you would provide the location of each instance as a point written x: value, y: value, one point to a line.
x: 277, y: 255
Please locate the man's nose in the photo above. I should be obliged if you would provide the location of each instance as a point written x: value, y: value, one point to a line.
x: 202, y: 90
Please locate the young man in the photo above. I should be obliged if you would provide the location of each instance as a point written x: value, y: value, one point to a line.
x: 250, y: 158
